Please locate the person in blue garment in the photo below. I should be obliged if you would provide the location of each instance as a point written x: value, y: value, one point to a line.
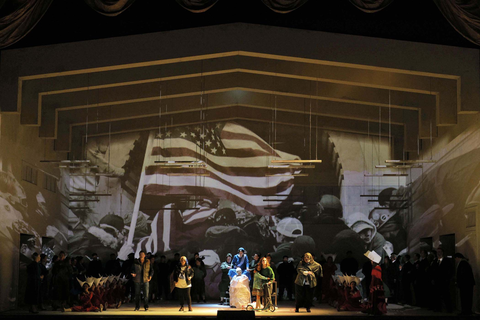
x: 240, y: 260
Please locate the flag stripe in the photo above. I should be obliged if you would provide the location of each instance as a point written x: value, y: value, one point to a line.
x: 235, y: 153
x: 197, y: 152
x: 233, y: 131
x: 255, y: 208
x: 214, y: 180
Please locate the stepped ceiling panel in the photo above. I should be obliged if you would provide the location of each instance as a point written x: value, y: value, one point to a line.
x: 407, y: 100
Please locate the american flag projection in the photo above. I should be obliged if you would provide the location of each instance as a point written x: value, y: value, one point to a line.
x: 236, y: 160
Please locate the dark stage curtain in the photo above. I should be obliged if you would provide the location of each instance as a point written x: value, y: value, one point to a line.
x: 371, y: 6
x: 284, y: 6
x: 109, y: 8
x: 18, y: 17
x: 197, y: 6
x: 464, y: 16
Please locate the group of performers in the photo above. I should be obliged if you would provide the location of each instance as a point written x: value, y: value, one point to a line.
x: 237, y: 277
x: 344, y: 290
x: 98, y: 294
x: 345, y: 295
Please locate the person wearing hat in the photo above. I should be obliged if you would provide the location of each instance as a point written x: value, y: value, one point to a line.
x: 240, y: 260
x: 225, y: 281
x: 376, y: 303
x: 98, y: 297
x: 390, y: 222
x: 352, y: 297
x: 307, y: 273
x: 182, y: 277
x: 465, y: 283
x: 286, y: 231
x: 85, y: 299
x: 367, y: 232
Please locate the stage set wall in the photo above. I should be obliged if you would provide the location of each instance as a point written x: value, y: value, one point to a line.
x: 443, y: 197
x: 27, y: 208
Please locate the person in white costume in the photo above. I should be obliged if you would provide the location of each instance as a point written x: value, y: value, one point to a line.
x: 239, y: 290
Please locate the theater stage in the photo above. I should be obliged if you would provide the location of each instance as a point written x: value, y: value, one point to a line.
x: 169, y: 309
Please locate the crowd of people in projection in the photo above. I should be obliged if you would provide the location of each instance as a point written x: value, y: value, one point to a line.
x: 313, y: 256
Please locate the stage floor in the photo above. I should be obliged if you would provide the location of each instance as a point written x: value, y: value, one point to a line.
x: 169, y: 309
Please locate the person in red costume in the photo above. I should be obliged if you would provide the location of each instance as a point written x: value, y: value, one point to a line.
x: 376, y: 304
x: 353, y: 298
x: 98, y: 298
x: 85, y: 301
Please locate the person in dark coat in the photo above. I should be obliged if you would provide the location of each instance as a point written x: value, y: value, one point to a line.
x: 198, y: 281
x: 465, y: 283
x: 286, y: 272
x: 396, y: 290
x: 225, y: 281
x: 142, y: 273
x: 349, y: 265
x: 407, y: 279
x: 366, y: 282
x: 112, y: 267
x: 387, y: 277
x: 44, y: 285
x: 95, y: 267
x: 34, y: 282
x: 61, y: 273
x: 154, y: 282
x: 126, y: 272
x: 163, y: 278
x: 443, y: 273
x: 429, y: 288
x: 422, y: 281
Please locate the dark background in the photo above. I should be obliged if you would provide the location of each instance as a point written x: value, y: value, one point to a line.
x: 410, y: 20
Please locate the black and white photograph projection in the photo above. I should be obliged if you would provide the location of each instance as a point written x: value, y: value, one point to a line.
x: 212, y: 188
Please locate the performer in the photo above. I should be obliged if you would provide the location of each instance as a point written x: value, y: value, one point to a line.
x: 257, y: 288
x: 465, y: 283
x: 225, y: 281
x: 34, y: 282
x: 240, y: 260
x: 307, y: 272
x: 376, y: 303
x: 98, y: 298
x: 85, y: 299
x: 267, y: 285
x: 353, y: 298
x: 329, y: 289
x: 239, y: 290
x: 182, y: 277
x: 142, y: 273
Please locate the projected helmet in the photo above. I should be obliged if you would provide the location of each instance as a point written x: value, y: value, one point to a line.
x: 290, y: 227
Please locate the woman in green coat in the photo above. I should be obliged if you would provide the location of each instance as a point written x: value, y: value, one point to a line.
x: 267, y: 272
x: 258, y: 281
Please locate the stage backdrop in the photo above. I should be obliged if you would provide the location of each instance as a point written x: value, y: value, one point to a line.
x: 240, y: 200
